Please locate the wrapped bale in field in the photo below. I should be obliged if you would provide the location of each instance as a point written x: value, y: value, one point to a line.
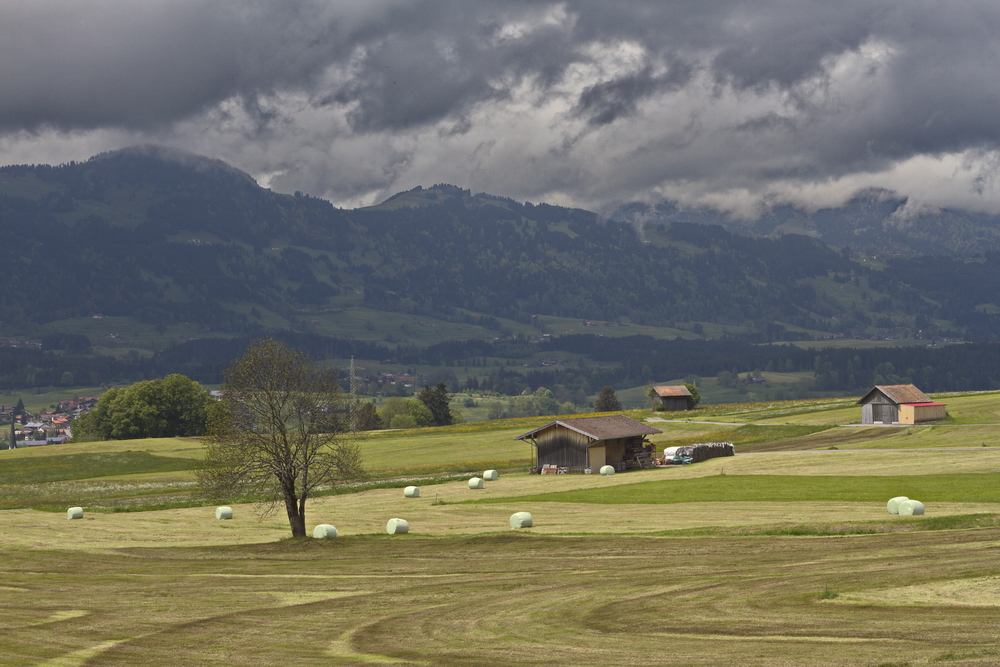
x: 223, y: 513
x: 324, y: 530
x: 911, y: 508
x: 476, y: 483
x: 397, y: 527
x: 893, y: 505
x: 520, y: 520
x: 74, y: 513
x: 607, y: 470
x: 411, y: 492
x: 491, y: 475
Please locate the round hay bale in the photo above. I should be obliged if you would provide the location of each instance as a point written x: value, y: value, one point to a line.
x: 476, y: 483
x: 74, y: 513
x: 491, y: 475
x: 670, y: 452
x: 893, y: 504
x: 911, y: 508
x: 397, y: 527
x: 607, y: 470
x: 223, y: 513
x: 411, y: 492
x: 520, y: 520
x: 324, y: 530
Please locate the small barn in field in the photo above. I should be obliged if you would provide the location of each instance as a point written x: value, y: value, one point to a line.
x: 899, y: 404
x: 589, y: 442
x: 673, y: 398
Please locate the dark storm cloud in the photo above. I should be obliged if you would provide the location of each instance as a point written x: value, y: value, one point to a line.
x: 607, y: 101
x: 795, y: 88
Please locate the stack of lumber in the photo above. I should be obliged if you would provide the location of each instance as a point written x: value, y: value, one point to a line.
x: 639, y: 456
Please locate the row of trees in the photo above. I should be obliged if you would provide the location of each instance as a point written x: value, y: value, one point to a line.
x: 430, y: 407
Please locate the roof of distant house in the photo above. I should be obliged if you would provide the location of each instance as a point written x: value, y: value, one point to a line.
x: 899, y: 393
x: 672, y: 390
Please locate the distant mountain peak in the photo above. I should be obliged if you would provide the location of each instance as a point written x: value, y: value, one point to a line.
x: 176, y: 156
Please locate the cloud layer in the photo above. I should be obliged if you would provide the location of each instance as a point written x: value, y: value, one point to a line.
x: 730, y: 104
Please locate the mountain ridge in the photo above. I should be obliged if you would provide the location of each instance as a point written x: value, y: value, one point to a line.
x: 164, y: 237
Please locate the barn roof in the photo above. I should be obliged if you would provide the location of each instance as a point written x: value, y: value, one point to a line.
x: 673, y: 390
x: 899, y: 393
x: 599, y: 428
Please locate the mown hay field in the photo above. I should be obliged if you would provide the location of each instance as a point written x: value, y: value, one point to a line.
x: 783, y: 557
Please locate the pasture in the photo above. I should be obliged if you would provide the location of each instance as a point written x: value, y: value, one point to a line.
x: 782, y: 556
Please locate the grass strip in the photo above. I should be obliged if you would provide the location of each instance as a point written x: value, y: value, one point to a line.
x: 41, y: 469
x: 927, y: 523
x: 966, y: 487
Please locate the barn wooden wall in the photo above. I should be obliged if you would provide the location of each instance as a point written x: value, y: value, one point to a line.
x: 562, y: 446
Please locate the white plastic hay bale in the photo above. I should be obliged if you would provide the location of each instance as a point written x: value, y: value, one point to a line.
x: 893, y: 504
x: 520, y: 520
x: 74, y: 513
x: 911, y: 508
x: 476, y: 483
x: 491, y: 475
x: 411, y: 492
x: 397, y: 527
x: 670, y: 452
x: 324, y: 530
x: 607, y: 470
x: 223, y: 513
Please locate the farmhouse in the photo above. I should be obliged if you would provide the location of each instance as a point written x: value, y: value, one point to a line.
x: 899, y: 404
x: 592, y: 442
x: 673, y: 398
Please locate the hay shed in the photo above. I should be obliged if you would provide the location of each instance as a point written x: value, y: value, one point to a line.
x: 397, y: 527
x: 411, y: 492
x: 223, y: 513
x: 491, y: 475
x: 520, y: 520
x: 607, y: 470
x: 893, y: 505
x: 911, y: 508
x: 899, y: 404
x: 673, y: 398
x: 588, y: 442
x: 476, y: 483
x: 323, y: 531
x: 74, y: 513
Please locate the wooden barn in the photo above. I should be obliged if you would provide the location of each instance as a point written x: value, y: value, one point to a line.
x: 588, y: 442
x: 673, y: 398
x: 899, y: 404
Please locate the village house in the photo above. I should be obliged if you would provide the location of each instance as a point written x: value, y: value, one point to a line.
x: 591, y: 442
x: 899, y: 404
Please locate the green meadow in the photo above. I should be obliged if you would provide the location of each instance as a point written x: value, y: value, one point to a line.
x: 781, y: 555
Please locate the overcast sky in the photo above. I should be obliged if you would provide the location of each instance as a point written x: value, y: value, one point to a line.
x: 736, y: 105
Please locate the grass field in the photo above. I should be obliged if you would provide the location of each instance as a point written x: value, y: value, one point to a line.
x: 782, y: 556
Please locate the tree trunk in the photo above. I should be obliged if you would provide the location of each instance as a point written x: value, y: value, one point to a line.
x: 296, y: 519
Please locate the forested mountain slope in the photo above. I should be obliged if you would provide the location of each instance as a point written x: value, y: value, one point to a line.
x: 165, y: 237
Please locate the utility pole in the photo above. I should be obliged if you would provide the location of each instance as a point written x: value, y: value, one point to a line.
x: 353, y: 414
x: 16, y: 412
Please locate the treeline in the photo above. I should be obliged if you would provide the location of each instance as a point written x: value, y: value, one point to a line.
x: 619, y: 362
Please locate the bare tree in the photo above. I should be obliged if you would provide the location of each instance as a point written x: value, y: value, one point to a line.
x: 280, y: 432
